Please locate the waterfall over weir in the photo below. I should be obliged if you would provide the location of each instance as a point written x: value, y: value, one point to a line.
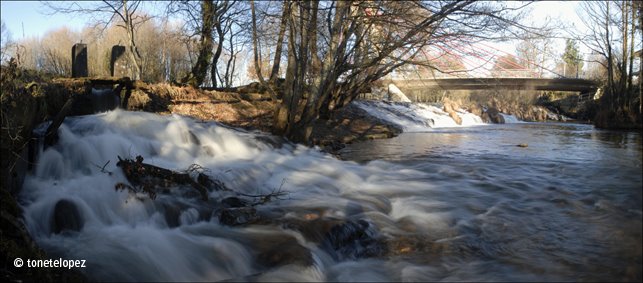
x: 416, y: 117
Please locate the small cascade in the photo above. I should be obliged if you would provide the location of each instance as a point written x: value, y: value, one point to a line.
x: 417, y: 117
x: 510, y: 119
x: 104, y: 100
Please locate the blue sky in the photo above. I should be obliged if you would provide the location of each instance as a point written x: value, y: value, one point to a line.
x: 31, y: 17
x: 16, y: 14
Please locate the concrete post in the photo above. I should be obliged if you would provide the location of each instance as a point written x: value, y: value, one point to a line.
x: 79, y: 60
x: 118, y: 64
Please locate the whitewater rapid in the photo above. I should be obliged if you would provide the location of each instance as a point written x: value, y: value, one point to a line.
x: 127, y: 236
x: 417, y: 117
x: 463, y: 205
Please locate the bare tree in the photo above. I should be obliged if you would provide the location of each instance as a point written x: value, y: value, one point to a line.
x: 607, y: 23
x: 356, y: 43
x: 255, y: 46
x: 236, y: 30
x: 55, y: 47
x: 230, y: 22
x: 613, y: 33
x: 534, y: 50
x: 5, y: 40
x: 210, y: 22
x: 206, y: 43
x: 280, y: 41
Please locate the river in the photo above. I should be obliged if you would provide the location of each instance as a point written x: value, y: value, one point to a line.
x: 443, y: 204
x: 566, y: 207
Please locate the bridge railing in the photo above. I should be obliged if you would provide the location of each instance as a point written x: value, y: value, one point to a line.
x: 512, y: 73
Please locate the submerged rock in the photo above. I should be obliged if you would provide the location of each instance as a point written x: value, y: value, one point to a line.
x: 493, y: 115
x: 353, y: 240
x: 450, y: 108
x: 313, y: 227
x: 171, y: 214
x: 66, y: 217
x: 238, y: 216
x: 233, y: 202
x: 285, y: 250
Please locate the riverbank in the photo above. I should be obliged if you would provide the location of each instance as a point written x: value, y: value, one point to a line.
x: 467, y: 198
x: 245, y: 109
x: 29, y: 99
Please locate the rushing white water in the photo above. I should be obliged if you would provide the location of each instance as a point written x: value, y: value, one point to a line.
x: 395, y: 91
x: 127, y: 236
x: 480, y: 208
x: 416, y: 117
x: 510, y: 119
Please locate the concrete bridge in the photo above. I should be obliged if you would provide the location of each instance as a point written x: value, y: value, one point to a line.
x: 558, y: 84
x: 427, y: 90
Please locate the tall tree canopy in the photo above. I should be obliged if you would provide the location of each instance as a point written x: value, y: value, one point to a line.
x: 572, y: 58
x: 337, y: 48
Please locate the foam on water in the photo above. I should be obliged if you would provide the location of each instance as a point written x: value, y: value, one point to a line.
x: 487, y: 211
x: 417, y: 117
x: 127, y: 236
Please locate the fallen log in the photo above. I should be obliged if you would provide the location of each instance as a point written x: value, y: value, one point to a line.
x: 148, y: 177
x: 51, y: 135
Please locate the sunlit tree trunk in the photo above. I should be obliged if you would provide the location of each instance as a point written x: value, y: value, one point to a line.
x: 133, y: 54
x: 280, y: 41
x: 630, y: 73
x: 206, y: 42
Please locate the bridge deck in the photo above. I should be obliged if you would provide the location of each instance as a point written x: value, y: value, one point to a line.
x: 559, y: 84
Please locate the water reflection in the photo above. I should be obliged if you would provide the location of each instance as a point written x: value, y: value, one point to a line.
x: 465, y: 204
x: 566, y: 206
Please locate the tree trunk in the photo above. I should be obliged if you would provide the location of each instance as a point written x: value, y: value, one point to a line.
x: 610, y: 59
x: 217, y: 54
x: 336, y: 50
x: 630, y: 73
x: 218, y: 14
x: 200, y: 69
x: 230, y: 64
x: 283, y: 114
x: 280, y: 41
x: 257, y: 62
x: 309, y: 114
x: 133, y: 51
x: 640, y: 5
x: 623, y: 66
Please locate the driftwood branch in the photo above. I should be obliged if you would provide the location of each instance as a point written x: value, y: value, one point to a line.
x: 148, y: 177
x: 274, y: 194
